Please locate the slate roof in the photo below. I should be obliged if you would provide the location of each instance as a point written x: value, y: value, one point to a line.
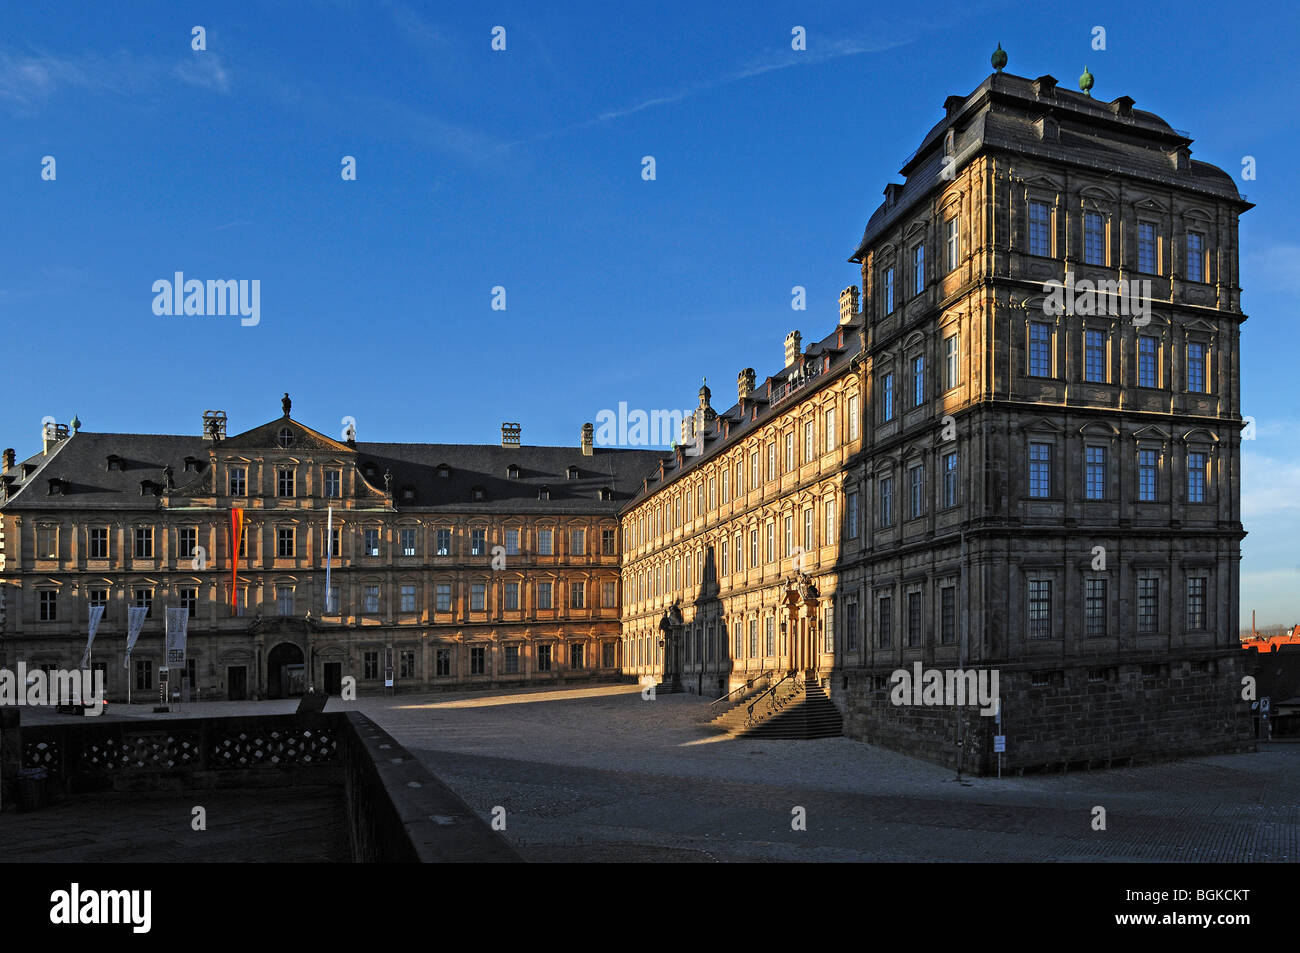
x: 1001, y: 114
x: 81, y: 462
x: 415, y: 465
x: 741, y: 423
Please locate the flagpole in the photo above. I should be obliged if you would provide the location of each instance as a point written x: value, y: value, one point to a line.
x: 329, y: 554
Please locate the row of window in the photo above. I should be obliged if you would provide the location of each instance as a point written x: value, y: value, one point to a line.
x: 286, y: 603
x: 1096, y: 251
x: 1096, y: 475
x: 512, y: 656
x: 1040, y: 619
x: 544, y: 660
x: 732, y: 555
x: 1096, y: 364
x: 727, y: 480
x: 98, y: 547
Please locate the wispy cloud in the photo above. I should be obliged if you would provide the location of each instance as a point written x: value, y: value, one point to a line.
x: 417, y: 30
x: 204, y: 69
x: 770, y: 62
x: 29, y: 80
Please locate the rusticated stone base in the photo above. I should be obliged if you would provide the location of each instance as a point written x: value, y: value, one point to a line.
x: 1096, y: 715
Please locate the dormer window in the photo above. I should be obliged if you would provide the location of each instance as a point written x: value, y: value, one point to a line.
x: 544, y: 493
x: 114, y: 462
x: 477, y: 493
x: 191, y: 465
x: 408, y: 493
x: 369, y: 471
x: 56, y: 487
x: 148, y: 487
x: 572, y: 473
x: 285, y: 438
x: 606, y: 493
x: 512, y: 472
x: 444, y: 471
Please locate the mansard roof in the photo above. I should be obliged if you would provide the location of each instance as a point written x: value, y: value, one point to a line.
x: 81, y: 462
x: 781, y: 392
x: 1005, y: 112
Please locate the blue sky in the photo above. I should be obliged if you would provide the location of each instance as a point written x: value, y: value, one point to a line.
x: 522, y: 169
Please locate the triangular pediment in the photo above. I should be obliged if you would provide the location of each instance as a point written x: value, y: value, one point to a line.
x: 1151, y: 433
x: 1042, y: 425
x: 272, y: 436
x: 1043, y: 182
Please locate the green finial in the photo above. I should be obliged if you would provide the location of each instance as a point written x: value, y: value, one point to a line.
x: 76, y: 422
x: 999, y: 58
x: 1085, y: 82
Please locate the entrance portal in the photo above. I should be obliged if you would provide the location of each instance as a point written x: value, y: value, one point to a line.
x: 236, y: 683
x: 333, y: 678
x: 286, y: 673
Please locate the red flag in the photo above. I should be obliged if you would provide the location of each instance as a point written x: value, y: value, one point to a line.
x: 236, y: 535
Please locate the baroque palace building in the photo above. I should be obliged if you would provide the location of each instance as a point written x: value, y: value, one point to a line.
x: 450, y: 565
x: 972, y: 471
x: 1017, y: 450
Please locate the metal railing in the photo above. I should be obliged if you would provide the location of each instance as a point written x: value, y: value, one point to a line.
x: 715, y: 706
x: 776, y: 702
x: 795, y: 383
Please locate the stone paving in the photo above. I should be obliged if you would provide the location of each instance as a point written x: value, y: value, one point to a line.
x: 601, y: 774
x: 304, y: 823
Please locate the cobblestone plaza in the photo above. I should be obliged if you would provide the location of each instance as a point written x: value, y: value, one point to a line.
x: 601, y: 774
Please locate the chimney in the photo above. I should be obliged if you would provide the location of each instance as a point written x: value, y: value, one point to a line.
x: 8, y: 459
x: 510, y: 434
x: 745, y: 384
x: 848, y: 304
x: 793, y: 343
x: 587, y: 433
x: 52, y: 433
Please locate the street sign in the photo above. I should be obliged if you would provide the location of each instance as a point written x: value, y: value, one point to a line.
x: 999, y: 743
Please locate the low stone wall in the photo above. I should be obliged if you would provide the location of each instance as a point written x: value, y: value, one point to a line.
x: 145, y: 754
x: 1065, y: 718
x: 397, y: 810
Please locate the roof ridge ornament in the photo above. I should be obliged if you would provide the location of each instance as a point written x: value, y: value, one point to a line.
x: 999, y: 58
x: 1086, y: 81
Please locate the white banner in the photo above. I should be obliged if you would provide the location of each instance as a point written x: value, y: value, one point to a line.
x: 329, y: 558
x: 178, y: 621
x: 134, y: 622
x: 96, y: 613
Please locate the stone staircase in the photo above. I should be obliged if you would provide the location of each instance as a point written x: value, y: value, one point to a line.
x: 796, y: 709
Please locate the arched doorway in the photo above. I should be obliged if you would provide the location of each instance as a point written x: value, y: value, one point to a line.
x: 286, y: 673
